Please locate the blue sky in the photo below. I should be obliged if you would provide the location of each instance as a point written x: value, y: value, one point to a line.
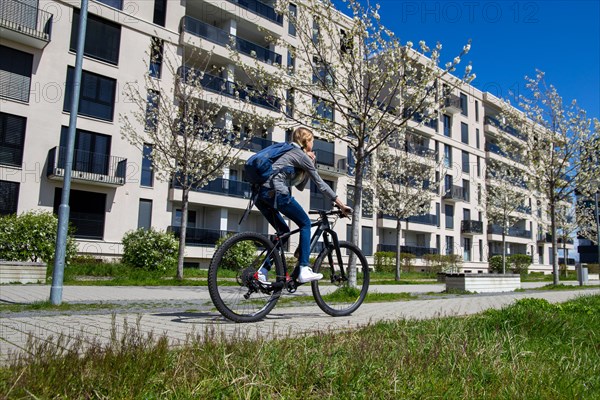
x: 511, y: 39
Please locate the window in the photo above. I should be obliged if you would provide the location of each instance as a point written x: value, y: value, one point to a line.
x: 96, y: 97
x: 147, y: 172
x: 348, y: 232
x: 447, y: 156
x: 437, y: 214
x: 15, y: 74
x: 152, y: 110
x: 476, y: 111
x: 317, y: 199
x: 449, y: 245
x: 464, y: 133
x: 449, y: 211
x: 479, y: 193
x: 478, y: 167
x: 118, y: 4
x: 367, y: 240
x: 156, y: 57
x: 289, y: 104
x: 480, y: 250
x: 367, y: 203
x: 293, y: 9
x: 324, y: 151
x: 87, y: 212
x: 291, y: 62
x: 9, y: 197
x: 102, y: 38
x: 191, y: 218
x: 467, y: 249
x: 346, y: 44
x: 466, y: 190
x: 466, y: 214
x: 465, y: 162
x: 447, y: 125
x: 322, y: 73
x: 477, y: 140
x: 145, y: 214
x: 316, y: 31
x: 323, y: 110
x: 12, y: 139
x: 160, y: 12
x: 448, y: 184
x: 464, y: 104
x: 351, y: 161
x: 92, y: 151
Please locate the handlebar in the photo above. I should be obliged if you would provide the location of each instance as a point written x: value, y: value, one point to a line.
x: 324, y: 213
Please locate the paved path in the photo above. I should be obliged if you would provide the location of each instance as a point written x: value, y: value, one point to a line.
x: 181, y: 312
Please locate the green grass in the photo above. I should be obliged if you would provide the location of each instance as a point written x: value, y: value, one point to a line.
x: 530, y: 350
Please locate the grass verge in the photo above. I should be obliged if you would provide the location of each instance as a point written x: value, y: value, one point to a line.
x: 532, y: 349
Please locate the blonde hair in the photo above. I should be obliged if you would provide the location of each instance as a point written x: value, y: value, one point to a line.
x: 302, y: 136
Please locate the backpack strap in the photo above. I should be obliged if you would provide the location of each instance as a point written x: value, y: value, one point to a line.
x: 251, y: 201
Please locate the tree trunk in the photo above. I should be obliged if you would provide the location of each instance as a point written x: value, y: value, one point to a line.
x: 182, y: 234
x: 565, y: 254
x: 356, y: 215
x: 398, y: 247
x: 554, y: 242
x: 504, y: 249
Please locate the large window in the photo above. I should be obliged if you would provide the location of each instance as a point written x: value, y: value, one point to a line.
x: 102, y: 38
x: 92, y: 151
x: 160, y: 12
x: 15, y: 73
x: 323, y: 73
x: 447, y: 156
x: 465, y: 162
x: 464, y: 133
x: 464, y: 104
x: 9, y: 197
x: 12, y: 139
x: 367, y: 240
x: 87, y: 212
x: 152, y: 110
x: 145, y: 214
x: 97, y: 95
x: 293, y: 9
x: 147, y: 172
x: 317, y: 199
x: 324, y: 151
x: 447, y: 126
x: 449, y: 211
x: 449, y: 245
x: 323, y: 110
x: 156, y: 57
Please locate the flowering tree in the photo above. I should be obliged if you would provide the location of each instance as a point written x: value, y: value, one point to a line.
x: 561, y: 148
x: 505, y: 198
x: 352, y: 79
x: 188, y: 127
x: 566, y: 226
x: 405, y: 184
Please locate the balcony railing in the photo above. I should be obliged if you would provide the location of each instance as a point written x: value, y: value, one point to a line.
x: 452, y: 104
x: 506, y: 128
x: 548, y: 239
x: 455, y: 193
x: 427, y: 219
x: 255, y: 144
x: 471, y: 226
x: 223, y: 38
x: 90, y: 167
x: 225, y: 187
x: 418, y: 251
x: 222, y: 86
x: 419, y: 149
x: 512, y: 231
x: 25, y: 23
x: 260, y: 8
x: 199, y: 236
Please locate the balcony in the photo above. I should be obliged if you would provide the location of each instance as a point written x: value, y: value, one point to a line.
x: 328, y: 161
x: 25, y: 24
x: 426, y: 219
x: 260, y: 8
x: 512, y: 231
x: 199, y: 236
x: 547, y: 238
x: 491, y: 125
x: 223, y: 38
x: 471, y: 227
x: 224, y: 187
x: 418, y: 251
x: 255, y: 144
x: 452, y: 104
x: 455, y: 193
x: 419, y: 149
x: 96, y: 168
x: 219, y: 85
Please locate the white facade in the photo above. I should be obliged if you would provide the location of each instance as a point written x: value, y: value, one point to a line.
x: 112, y: 188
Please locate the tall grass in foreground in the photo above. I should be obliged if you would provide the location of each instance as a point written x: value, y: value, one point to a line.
x: 530, y: 350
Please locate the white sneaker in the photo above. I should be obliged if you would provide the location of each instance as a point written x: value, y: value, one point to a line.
x: 307, y: 275
x: 261, y: 275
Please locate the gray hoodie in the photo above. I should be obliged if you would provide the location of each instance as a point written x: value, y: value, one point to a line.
x: 304, y: 168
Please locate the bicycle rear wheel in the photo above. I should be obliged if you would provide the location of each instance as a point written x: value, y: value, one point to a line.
x: 232, y: 280
x: 334, y: 294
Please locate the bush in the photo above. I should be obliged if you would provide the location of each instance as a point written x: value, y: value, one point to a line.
x: 31, y: 236
x: 239, y: 256
x: 150, y: 250
x: 442, y: 263
x: 406, y: 259
x: 515, y: 263
x: 385, y: 261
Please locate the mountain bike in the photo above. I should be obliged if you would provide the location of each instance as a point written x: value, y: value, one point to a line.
x: 240, y: 296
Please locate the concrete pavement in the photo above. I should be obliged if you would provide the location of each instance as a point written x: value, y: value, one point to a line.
x: 183, y: 312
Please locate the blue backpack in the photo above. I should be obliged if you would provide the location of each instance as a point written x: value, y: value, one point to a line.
x: 259, y: 168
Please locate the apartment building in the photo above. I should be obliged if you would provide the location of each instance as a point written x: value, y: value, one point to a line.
x: 114, y: 189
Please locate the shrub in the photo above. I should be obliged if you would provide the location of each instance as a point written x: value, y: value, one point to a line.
x: 385, y: 261
x: 515, y: 263
x: 150, y: 250
x: 241, y: 255
x: 442, y: 263
x: 495, y: 264
x: 31, y: 236
x: 407, y: 261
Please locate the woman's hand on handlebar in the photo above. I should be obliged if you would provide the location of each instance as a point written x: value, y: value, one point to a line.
x: 345, y: 210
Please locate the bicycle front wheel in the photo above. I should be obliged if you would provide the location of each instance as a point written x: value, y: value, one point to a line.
x: 232, y: 281
x: 338, y: 294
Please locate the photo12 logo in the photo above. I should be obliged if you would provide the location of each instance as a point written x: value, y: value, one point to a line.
x: 470, y: 11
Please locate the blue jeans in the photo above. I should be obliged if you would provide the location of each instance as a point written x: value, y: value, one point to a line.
x: 272, y: 205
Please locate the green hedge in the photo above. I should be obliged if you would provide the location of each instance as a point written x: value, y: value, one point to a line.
x: 31, y: 236
x: 442, y: 262
x: 150, y: 250
x: 515, y: 263
x: 385, y: 261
